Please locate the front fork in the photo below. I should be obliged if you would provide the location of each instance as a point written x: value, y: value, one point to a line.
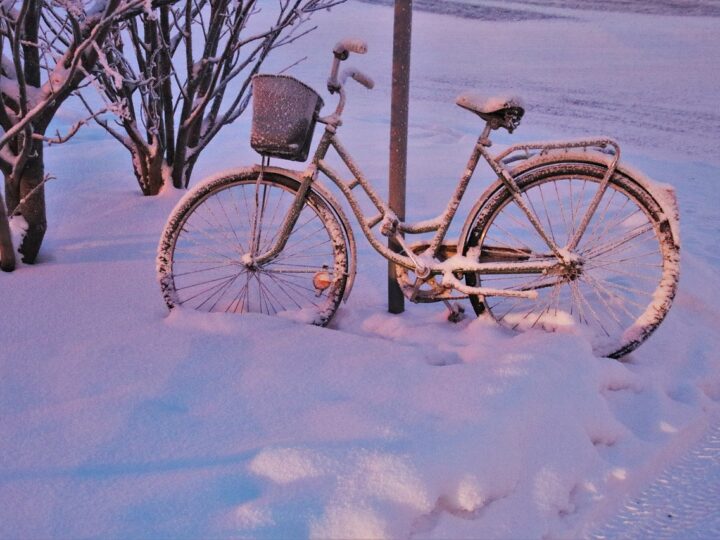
x: 291, y: 218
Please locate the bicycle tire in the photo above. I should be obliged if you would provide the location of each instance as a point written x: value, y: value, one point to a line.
x: 200, y: 257
x: 630, y: 261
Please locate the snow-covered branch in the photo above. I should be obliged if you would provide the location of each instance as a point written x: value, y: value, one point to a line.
x: 48, y: 49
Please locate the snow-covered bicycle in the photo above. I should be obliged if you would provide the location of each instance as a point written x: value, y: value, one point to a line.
x: 566, y: 235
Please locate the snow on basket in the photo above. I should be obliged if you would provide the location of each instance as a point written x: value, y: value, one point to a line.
x: 284, y: 114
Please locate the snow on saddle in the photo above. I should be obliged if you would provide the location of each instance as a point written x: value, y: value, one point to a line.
x: 497, y: 111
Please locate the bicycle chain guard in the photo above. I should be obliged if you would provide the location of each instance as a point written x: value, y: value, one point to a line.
x: 427, y: 289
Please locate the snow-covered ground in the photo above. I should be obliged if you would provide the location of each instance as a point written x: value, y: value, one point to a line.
x: 117, y: 420
x: 680, y: 503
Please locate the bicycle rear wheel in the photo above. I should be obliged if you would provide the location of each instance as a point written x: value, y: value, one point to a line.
x: 203, y: 263
x: 627, y: 274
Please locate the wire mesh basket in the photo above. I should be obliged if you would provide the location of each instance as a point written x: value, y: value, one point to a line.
x: 284, y: 114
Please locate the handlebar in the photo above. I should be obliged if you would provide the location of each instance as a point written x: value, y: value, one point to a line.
x: 342, y: 51
x: 358, y: 76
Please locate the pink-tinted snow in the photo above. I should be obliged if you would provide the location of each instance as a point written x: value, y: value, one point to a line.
x: 119, y: 420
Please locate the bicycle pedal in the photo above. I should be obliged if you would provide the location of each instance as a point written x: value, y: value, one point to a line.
x: 456, y: 312
x: 416, y: 289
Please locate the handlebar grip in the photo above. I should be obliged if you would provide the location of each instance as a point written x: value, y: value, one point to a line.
x: 360, y: 77
x: 343, y: 47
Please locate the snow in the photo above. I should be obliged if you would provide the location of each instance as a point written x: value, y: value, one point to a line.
x: 119, y: 420
x: 18, y: 228
x: 357, y: 46
x: 675, y: 504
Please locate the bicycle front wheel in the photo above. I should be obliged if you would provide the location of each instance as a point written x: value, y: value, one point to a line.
x: 203, y: 261
x: 628, y: 263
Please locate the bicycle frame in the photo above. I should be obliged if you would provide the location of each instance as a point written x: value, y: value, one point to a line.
x: 427, y: 263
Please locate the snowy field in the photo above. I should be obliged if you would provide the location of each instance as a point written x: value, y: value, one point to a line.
x: 119, y: 421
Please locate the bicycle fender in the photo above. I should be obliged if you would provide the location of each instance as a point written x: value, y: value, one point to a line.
x: 332, y: 203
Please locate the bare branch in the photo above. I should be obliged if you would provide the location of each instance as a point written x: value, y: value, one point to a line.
x: 16, y: 211
x: 58, y: 139
x: 297, y: 62
x: 103, y: 123
x: 189, y: 70
x: 68, y: 81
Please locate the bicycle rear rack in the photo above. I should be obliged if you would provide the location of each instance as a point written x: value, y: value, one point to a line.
x: 525, y: 151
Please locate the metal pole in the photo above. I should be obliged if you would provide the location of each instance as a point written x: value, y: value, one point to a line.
x: 398, y: 133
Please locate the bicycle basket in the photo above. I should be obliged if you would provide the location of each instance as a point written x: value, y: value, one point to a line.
x: 284, y: 114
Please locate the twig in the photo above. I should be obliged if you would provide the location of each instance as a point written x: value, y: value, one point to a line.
x: 58, y: 139
x: 16, y: 211
x: 299, y: 61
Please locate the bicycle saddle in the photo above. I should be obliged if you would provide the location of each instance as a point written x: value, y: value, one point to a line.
x: 498, y: 111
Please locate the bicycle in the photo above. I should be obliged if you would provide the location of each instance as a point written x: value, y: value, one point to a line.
x: 565, y: 234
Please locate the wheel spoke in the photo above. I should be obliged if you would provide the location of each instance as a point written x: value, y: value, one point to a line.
x: 547, y: 215
x: 615, y: 244
x: 238, y: 297
x: 619, y: 301
x: 562, y: 208
x: 599, y: 222
x: 283, y: 288
x: 269, y: 296
x: 606, y: 263
x: 592, y: 311
x: 216, y: 224
x: 202, y: 246
x: 213, y: 288
x: 220, y: 292
x: 309, y: 219
x: 206, y: 269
